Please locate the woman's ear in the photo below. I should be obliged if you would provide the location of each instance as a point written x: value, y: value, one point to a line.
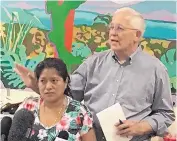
x: 66, y: 83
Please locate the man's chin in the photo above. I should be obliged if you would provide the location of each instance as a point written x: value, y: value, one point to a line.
x: 116, y: 48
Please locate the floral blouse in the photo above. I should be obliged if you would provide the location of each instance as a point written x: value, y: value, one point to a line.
x: 77, y: 120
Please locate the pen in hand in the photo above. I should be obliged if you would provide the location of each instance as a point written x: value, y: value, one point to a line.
x: 120, y: 121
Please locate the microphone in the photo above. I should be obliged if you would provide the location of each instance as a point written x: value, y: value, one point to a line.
x: 6, y: 123
x: 21, y: 127
x: 62, y: 136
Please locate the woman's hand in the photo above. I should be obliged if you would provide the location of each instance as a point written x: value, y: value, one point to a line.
x: 27, y: 76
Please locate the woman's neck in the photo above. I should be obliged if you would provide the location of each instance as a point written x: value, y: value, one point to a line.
x: 56, y: 104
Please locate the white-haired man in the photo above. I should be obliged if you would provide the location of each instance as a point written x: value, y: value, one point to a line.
x: 127, y: 75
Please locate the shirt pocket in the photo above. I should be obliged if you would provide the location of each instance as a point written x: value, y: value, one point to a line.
x: 138, y: 97
x: 135, y: 105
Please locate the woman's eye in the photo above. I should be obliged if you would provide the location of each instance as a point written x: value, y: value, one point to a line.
x: 41, y: 80
x: 54, y: 80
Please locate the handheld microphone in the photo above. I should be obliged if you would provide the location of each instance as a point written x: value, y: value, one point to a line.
x: 6, y: 123
x: 21, y: 125
x: 62, y: 136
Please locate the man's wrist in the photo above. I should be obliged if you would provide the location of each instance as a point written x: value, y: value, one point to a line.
x: 145, y: 127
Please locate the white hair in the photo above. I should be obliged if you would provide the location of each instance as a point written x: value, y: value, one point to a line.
x: 137, y: 21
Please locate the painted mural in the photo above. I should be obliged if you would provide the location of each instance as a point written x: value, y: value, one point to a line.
x: 73, y: 30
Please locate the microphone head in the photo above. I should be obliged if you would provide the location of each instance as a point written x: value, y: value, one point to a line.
x: 63, y: 135
x: 23, y: 120
x: 6, y: 123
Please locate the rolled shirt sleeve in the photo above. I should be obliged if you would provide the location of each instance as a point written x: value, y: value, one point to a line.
x: 162, y: 114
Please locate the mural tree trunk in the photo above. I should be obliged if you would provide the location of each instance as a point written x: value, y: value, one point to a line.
x: 62, y: 19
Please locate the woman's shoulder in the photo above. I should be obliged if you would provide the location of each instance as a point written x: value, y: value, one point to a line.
x: 75, y: 105
x: 74, y: 102
x: 30, y: 103
x: 30, y: 99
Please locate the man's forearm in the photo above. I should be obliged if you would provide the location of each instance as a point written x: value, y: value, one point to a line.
x: 160, y: 122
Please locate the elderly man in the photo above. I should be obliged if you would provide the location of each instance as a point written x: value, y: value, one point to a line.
x: 126, y: 75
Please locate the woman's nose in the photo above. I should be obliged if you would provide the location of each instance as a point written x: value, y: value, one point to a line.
x: 48, y: 85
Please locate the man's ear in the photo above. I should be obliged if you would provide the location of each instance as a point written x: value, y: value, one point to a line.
x: 138, y: 34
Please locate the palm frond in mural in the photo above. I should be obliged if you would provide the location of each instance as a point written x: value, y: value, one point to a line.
x: 13, y: 50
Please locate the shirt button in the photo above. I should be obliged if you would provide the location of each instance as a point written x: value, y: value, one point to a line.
x: 113, y: 94
x: 117, y: 80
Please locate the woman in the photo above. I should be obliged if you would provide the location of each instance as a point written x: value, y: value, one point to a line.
x: 55, y: 110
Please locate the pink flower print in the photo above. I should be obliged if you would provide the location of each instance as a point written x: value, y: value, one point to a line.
x: 78, y: 120
x: 29, y: 106
x: 63, y: 124
x: 32, y: 132
x: 42, y: 134
x: 78, y: 137
x: 87, y: 120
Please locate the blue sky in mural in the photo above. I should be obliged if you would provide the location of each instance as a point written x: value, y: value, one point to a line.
x: 142, y: 6
x: 159, y: 15
x: 155, y: 5
x: 156, y: 10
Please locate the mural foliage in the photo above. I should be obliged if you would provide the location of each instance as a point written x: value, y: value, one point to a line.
x: 71, y: 31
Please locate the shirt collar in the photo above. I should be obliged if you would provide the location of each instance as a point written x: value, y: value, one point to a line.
x: 130, y: 58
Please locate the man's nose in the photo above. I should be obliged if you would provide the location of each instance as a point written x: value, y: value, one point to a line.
x: 113, y: 32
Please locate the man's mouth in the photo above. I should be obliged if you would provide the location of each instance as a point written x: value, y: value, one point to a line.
x: 113, y: 40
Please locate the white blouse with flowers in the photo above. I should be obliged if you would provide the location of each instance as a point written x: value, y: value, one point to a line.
x: 77, y: 120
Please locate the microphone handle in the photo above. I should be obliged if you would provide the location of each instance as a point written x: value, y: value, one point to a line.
x: 28, y: 133
x: 3, y: 137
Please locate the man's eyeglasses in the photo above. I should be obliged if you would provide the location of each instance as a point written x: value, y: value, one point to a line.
x: 119, y: 28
